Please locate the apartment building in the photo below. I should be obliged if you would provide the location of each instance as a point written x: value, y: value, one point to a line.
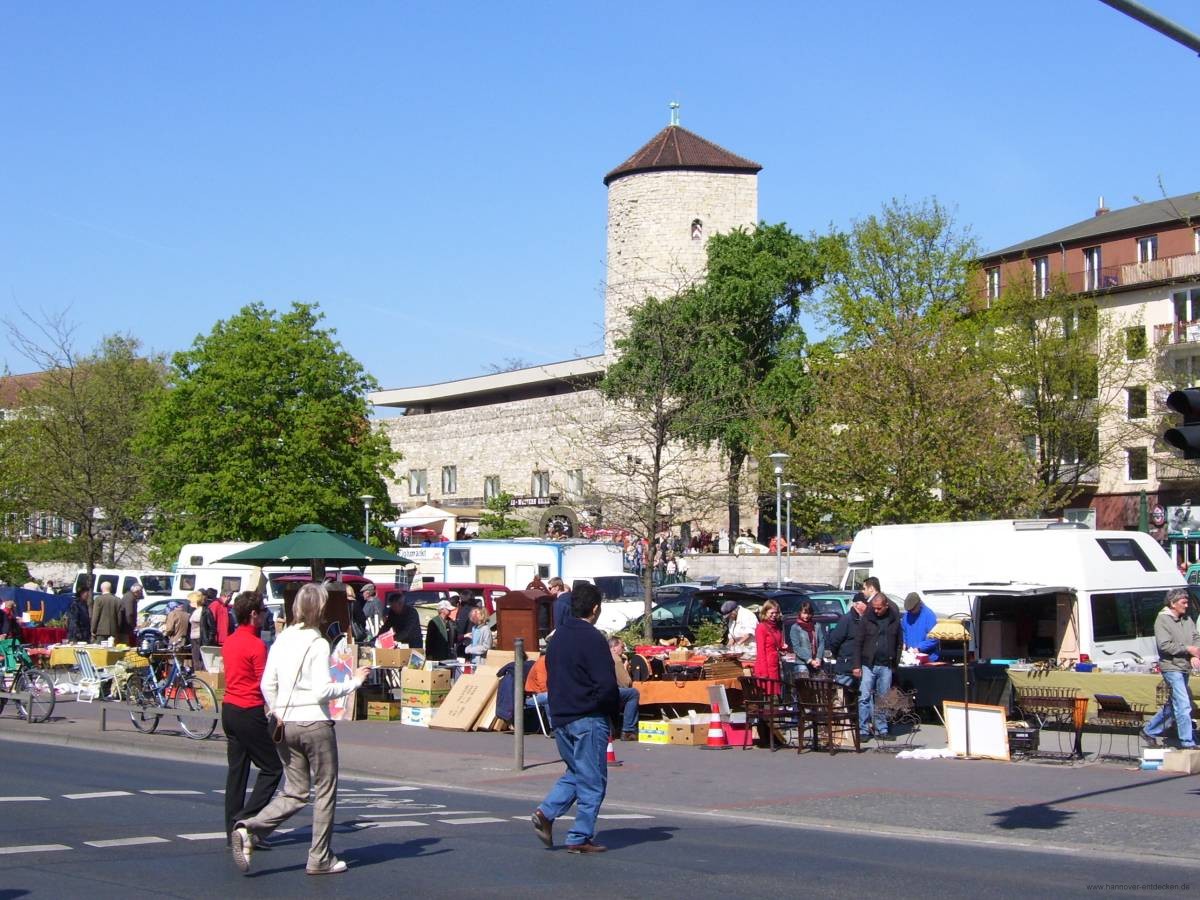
x: 1140, y: 266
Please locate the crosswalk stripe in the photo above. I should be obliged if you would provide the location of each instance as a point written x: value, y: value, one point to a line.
x: 394, y: 823
x: 429, y: 812
x: 34, y: 848
x: 481, y: 820
x: 623, y: 816
x: 202, y: 836
x: 127, y: 842
x: 96, y: 795
x: 168, y: 793
x: 20, y: 799
x: 383, y: 790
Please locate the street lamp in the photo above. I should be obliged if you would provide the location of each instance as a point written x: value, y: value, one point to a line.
x: 367, y: 500
x: 788, y: 487
x: 777, y: 459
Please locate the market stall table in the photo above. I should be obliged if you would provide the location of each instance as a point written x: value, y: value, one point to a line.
x: 682, y: 693
x: 939, y: 682
x: 64, y: 655
x: 37, y: 636
x: 1136, y: 688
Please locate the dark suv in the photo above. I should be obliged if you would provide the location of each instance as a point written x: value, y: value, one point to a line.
x: 680, y: 610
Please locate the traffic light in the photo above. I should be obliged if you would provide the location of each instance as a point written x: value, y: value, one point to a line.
x: 1185, y: 437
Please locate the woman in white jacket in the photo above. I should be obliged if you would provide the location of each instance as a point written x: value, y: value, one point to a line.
x: 297, y: 687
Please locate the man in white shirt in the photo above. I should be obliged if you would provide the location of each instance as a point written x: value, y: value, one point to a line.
x: 741, y: 624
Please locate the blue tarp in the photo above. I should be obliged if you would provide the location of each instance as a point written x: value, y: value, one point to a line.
x: 54, y: 605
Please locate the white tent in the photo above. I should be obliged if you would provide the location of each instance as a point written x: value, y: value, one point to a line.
x: 429, y: 517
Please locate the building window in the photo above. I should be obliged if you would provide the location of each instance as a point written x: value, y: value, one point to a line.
x: 449, y: 479
x: 575, y: 482
x: 993, y: 283
x: 1041, y: 276
x: 1147, y: 248
x: 1137, y: 464
x: 539, y: 485
x: 1091, y: 269
x: 697, y: 230
x: 1196, y: 240
x: 418, y: 482
x: 1135, y: 342
x: 1187, y: 305
x: 1135, y: 402
x: 491, y: 486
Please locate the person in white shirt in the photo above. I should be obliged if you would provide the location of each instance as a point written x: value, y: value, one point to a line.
x: 297, y: 687
x: 742, y: 624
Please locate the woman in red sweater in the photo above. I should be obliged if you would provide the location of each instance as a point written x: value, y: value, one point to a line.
x: 768, y: 643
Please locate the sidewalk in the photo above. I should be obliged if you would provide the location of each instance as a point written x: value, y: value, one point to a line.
x: 1107, y: 807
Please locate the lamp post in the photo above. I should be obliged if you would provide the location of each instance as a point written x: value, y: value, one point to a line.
x: 788, y: 487
x: 367, y: 500
x: 778, y: 459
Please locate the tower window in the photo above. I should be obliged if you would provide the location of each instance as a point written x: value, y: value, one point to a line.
x: 697, y: 230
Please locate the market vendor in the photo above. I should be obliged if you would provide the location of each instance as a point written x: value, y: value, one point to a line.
x: 740, y: 624
x: 918, y: 620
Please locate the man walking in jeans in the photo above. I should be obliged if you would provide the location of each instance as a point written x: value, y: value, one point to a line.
x: 879, y: 641
x: 1178, y: 654
x: 583, y: 699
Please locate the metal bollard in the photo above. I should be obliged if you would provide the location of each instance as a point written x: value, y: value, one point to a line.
x: 519, y: 704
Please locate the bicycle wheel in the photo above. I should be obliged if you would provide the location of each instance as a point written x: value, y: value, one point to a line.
x: 142, y: 701
x: 41, y: 695
x: 196, y: 696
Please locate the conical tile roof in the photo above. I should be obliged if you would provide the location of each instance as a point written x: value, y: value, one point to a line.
x: 677, y: 148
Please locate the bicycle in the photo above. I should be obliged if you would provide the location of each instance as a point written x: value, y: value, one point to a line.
x: 21, y: 676
x: 176, y: 689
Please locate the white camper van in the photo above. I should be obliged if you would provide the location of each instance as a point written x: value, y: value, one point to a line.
x: 197, y: 569
x: 513, y: 563
x: 1033, y: 589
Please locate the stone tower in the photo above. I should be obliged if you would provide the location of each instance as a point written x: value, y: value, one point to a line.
x: 663, y: 204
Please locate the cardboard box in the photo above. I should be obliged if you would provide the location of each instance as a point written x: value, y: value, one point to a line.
x: 426, y: 680
x: 215, y: 680
x: 689, y: 733
x: 654, y: 732
x: 430, y: 699
x: 466, y: 700
x: 679, y: 655
x: 382, y: 711
x: 379, y: 658
x: 1183, y: 762
x: 420, y: 716
x: 497, y: 659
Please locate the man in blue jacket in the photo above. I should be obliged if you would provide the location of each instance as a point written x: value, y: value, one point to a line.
x: 583, y: 701
x: 918, y: 620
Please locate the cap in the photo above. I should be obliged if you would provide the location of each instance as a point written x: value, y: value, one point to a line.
x: 912, y: 601
x: 445, y: 604
x: 728, y: 606
x: 860, y: 597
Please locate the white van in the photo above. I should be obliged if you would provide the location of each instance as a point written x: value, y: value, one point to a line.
x: 155, y: 584
x: 197, y: 569
x: 1032, y: 588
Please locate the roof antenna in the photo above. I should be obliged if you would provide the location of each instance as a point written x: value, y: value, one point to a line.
x: 674, y: 104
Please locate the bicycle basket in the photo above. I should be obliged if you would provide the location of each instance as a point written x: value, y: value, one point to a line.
x: 151, y: 640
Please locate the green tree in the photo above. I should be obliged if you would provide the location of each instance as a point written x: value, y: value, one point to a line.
x: 265, y: 427
x: 746, y: 332
x: 12, y: 567
x: 1065, y: 363
x: 68, y: 450
x: 907, y: 423
x: 497, y: 523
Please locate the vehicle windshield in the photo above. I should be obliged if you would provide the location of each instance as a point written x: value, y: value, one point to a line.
x: 789, y: 604
x: 670, y: 611
x: 619, y: 587
x: 157, y: 584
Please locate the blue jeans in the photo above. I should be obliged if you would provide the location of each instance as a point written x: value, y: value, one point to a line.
x: 583, y: 746
x: 629, y: 709
x: 1178, y: 707
x: 875, y: 680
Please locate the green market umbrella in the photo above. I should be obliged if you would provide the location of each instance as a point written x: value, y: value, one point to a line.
x: 318, y: 546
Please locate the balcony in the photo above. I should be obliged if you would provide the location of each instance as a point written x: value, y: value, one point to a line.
x: 1175, y: 333
x: 1108, y: 277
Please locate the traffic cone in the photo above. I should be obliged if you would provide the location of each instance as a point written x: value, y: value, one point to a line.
x: 612, y: 755
x: 716, y: 732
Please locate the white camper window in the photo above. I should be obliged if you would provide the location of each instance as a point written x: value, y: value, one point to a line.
x: 459, y: 556
x: 1125, y: 550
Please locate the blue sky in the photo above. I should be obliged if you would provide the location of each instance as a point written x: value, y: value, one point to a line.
x: 430, y: 174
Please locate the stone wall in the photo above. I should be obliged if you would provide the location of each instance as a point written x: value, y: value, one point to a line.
x: 812, y: 567
x: 652, y: 249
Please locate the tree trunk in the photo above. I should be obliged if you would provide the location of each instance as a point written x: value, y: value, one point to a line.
x: 736, y: 458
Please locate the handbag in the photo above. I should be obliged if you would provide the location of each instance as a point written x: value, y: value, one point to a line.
x: 274, y: 722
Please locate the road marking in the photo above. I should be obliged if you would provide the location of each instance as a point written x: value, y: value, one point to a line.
x: 165, y: 792
x: 127, y: 842
x: 34, y: 848
x: 20, y: 799
x: 429, y: 812
x: 387, y: 789
x: 97, y: 795
x: 482, y: 820
x: 202, y: 836
x: 623, y: 816
x: 403, y: 823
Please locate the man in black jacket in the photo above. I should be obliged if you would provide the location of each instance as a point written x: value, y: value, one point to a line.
x: 880, y: 640
x: 583, y: 700
x: 842, y: 643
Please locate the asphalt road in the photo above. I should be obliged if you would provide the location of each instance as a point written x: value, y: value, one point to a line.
x: 78, y: 823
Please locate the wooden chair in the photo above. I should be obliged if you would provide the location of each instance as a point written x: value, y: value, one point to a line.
x: 828, y: 707
x: 766, y: 706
